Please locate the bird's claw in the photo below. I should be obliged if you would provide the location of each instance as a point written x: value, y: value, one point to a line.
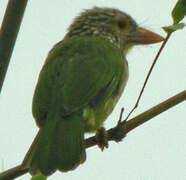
x: 102, y: 138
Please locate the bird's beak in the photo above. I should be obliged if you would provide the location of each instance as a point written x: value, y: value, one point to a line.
x: 144, y: 36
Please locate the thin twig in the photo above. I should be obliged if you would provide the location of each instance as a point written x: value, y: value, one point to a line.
x: 148, y: 75
x: 121, y: 115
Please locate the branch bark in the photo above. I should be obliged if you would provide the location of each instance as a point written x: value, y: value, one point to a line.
x: 119, y: 132
x: 8, y: 33
x: 114, y: 134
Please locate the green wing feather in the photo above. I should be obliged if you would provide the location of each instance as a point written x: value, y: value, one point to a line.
x: 76, y: 71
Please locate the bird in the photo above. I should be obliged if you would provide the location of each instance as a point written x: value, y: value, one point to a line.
x: 80, y: 83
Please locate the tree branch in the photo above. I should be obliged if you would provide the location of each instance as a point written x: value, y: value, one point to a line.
x: 8, y: 33
x: 119, y: 132
x: 114, y: 134
x: 13, y: 173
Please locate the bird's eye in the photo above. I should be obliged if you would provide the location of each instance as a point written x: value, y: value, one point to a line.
x: 122, y: 24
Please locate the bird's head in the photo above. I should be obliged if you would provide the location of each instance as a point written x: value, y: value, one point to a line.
x: 112, y: 25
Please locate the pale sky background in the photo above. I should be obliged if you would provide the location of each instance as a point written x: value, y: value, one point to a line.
x: 153, y: 151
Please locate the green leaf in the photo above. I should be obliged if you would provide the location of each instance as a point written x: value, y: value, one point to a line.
x: 39, y: 177
x: 179, y: 11
x: 172, y: 28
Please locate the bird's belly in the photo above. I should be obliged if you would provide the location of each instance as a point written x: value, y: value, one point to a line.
x: 95, y: 115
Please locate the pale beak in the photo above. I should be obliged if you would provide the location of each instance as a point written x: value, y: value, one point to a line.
x: 144, y: 36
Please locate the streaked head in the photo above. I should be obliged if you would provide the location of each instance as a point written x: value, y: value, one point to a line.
x: 112, y: 25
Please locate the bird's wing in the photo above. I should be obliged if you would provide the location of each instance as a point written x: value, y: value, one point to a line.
x: 75, y: 72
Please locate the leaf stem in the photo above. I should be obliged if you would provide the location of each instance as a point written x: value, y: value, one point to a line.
x: 148, y: 75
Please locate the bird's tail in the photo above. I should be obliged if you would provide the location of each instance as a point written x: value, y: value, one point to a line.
x: 59, y: 145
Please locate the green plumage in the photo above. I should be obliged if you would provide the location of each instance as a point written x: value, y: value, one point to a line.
x: 72, y: 89
x: 80, y: 83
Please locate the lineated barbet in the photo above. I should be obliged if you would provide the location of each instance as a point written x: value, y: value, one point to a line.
x: 80, y: 83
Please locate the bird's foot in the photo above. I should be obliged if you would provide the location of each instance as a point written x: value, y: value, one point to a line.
x: 102, y: 138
